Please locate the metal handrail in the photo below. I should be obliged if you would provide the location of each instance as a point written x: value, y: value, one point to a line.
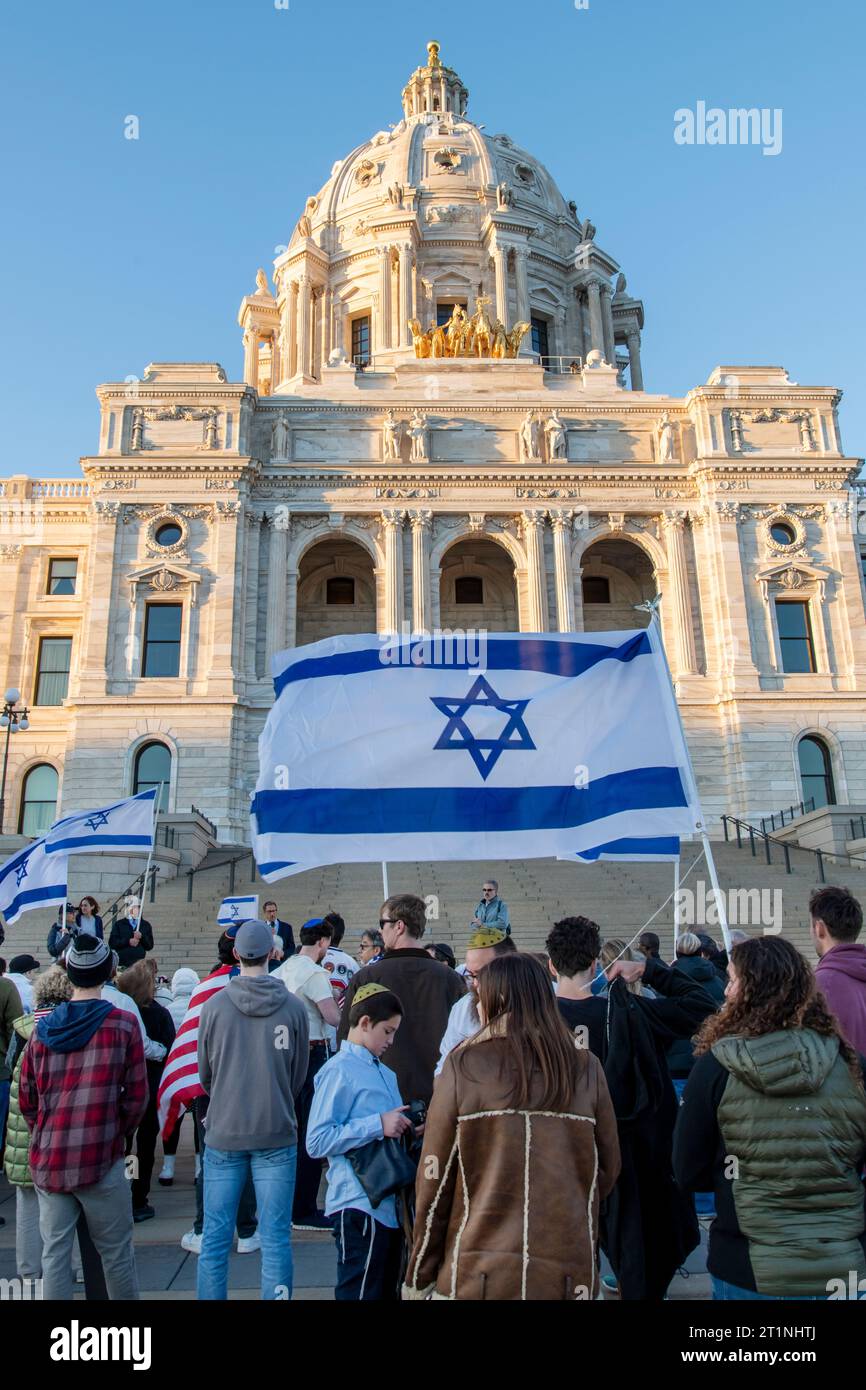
x: 232, y: 862
x: 792, y: 813
x: 194, y: 810
x: 134, y: 889
x: 754, y: 832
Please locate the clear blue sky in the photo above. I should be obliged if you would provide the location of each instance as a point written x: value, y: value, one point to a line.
x: 117, y: 252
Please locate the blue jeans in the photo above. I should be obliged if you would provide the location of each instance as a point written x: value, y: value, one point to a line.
x: 726, y: 1293
x: 225, y: 1172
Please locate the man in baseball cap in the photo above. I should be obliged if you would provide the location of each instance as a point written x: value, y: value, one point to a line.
x: 253, y: 1049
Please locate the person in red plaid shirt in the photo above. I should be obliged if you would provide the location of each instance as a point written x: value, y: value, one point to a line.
x: 82, y: 1089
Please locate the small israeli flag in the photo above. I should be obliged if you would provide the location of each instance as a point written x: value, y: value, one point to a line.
x: 31, y: 879
x: 541, y: 744
x: 233, y: 911
x: 122, y: 827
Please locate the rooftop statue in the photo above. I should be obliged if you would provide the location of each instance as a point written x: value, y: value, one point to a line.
x: 462, y: 336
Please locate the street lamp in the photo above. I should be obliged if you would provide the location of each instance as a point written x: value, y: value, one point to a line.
x: 13, y: 718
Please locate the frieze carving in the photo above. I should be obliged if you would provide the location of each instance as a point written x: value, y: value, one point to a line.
x: 175, y: 412
x: 10, y: 552
x: 406, y: 492
x: 219, y: 484
x: 119, y: 484
x: 548, y: 493
x: 226, y: 510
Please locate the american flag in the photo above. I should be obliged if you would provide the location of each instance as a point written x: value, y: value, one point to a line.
x: 181, y: 1084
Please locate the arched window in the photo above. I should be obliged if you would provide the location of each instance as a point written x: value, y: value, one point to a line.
x: 816, y: 772
x: 152, y: 767
x: 38, y: 800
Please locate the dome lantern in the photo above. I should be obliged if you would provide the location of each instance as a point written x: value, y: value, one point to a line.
x: 434, y: 88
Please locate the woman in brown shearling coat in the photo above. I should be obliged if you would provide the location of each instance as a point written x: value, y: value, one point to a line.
x: 519, y: 1149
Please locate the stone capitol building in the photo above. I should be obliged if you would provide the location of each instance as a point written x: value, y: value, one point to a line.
x: 442, y: 422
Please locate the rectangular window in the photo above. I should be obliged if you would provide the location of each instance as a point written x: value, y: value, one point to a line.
x: 52, y: 674
x: 795, y: 636
x: 361, y: 341
x: 540, y: 341
x: 61, y: 576
x: 596, y: 588
x: 162, y: 639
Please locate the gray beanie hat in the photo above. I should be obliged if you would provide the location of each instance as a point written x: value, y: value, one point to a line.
x: 89, y: 962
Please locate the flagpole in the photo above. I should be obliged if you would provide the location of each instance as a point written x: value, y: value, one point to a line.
x: 385, y: 894
x: 651, y: 606
x: 156, y: 802
x: 676, y: 902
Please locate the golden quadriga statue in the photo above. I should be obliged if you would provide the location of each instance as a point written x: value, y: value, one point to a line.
x: 463, y: 336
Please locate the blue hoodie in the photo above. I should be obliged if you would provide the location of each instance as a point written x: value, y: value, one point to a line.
x: 69, y: 1027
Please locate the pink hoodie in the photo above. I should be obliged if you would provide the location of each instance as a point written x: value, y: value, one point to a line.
x: 841, y: 977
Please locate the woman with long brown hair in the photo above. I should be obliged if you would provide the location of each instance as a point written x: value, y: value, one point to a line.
x: 519, y: 1148
x: 774, y: 1118
x: 139, y: 982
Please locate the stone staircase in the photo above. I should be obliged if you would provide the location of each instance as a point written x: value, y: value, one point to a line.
x: 620, y: 897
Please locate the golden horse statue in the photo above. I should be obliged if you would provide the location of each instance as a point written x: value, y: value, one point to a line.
x: 421, y: 341
x: 515, y: 338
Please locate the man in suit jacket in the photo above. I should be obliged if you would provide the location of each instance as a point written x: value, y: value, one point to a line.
x: 283, y: 931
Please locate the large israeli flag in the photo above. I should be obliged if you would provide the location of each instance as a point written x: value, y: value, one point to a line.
x: 31, y: 879
x: 658, y: 849
x: 522, y: 746
x: 122, y: 828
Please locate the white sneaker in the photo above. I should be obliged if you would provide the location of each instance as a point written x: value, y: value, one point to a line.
x: 249, y: 1244
x: 191, y: 1242
x: 166, y: 1177
x: 197, y: 1165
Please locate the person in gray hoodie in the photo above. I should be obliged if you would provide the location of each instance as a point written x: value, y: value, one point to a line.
x: 253, y: 1051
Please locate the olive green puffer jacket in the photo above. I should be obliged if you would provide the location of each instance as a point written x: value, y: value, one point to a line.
x: 794, y: 1119
x: 16, y: 1161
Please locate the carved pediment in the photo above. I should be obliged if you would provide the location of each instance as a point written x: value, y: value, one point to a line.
x: 792, y: 574
x: 163, y: 578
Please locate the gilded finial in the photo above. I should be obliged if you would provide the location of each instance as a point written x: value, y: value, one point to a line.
x: 433, y: 59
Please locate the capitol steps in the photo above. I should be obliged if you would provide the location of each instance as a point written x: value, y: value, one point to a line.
x: 620, y: 897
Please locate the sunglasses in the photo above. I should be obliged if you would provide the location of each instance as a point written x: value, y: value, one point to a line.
x: 386, y: 922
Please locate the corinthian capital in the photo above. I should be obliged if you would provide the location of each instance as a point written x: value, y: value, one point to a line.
x: 392, y: 519
x: 675, y: 520
x: 562, y: 520
x: 421, y: 520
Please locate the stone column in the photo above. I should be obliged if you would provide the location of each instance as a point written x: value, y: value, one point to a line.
x: 291, y: 607
x: 596, y: 329
x: 422, y: 523
x: 532, y: 527
x: 392, y: 536
x: 251, y: 595
x: 384, y: 297
x: 251, y: 357
x: 500, y: 265
x: 276, y: 361
x: 327, y: 322
x: 293, y: 329
x: 304, y: 302
x: 404, y: 337
x: 562, y: 522
x: 100, y: 650
x: 521, y: 257
x: 607, y: 326
x: 634, y: 359
x: 674, y: 523
x: 278, y: 549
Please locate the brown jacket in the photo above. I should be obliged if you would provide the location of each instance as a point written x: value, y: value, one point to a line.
x: 507, y: 1200
x: 427, y: 990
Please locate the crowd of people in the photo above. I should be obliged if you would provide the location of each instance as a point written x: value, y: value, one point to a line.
x: 519, y: 1126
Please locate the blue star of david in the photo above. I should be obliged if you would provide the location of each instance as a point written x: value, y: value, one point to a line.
x: 20, y: 874
x: 235, y: 910
x: 484, y: 752
x: 97, y: 819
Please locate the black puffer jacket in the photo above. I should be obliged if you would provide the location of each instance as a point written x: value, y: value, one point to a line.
x: 701, y: 972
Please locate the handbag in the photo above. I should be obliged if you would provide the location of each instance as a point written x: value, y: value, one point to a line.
x: 383, y: 1167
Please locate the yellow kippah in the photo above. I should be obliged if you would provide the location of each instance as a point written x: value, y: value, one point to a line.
x: 367, y: 990
x: 485, y: 936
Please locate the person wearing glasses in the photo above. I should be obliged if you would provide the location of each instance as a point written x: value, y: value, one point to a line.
x: 484, y: 945
x: 491, y: 911
x: 427, y: 990
x: 372, y: 947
